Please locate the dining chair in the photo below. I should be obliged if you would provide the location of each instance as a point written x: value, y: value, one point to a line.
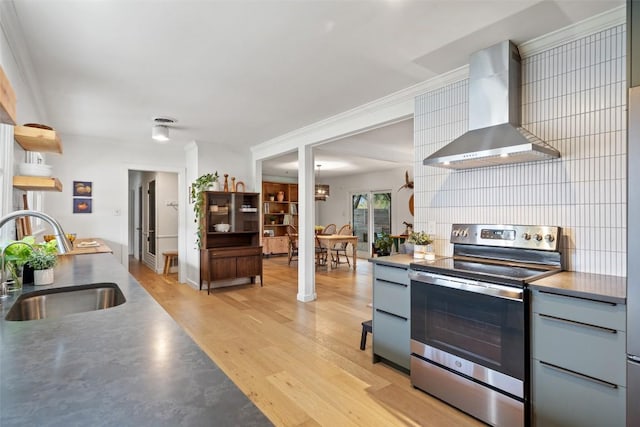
x: 292, y: 233
x: 341, y: 248
x: 321, y: 253
x: 329, y: 229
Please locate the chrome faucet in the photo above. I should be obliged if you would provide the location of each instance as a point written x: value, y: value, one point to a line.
x: 3, y: 279
x: 63, y: 243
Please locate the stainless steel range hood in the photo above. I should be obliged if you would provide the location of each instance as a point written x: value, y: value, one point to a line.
x: 495, y: 136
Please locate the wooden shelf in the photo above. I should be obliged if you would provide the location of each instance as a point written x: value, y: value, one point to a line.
x: 273, y: 208
x: 37, y: 183
x: 36, y: 139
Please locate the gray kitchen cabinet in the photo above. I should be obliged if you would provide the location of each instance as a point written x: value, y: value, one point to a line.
x: 391, y: 318
x: 578, y: 361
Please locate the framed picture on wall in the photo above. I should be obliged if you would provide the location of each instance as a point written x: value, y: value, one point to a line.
x: 81, y: 205
x: 82, y: 188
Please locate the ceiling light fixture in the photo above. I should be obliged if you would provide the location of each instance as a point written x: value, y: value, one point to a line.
x: 322, y: 190
x: 160, y: 129
x: 160, y: 133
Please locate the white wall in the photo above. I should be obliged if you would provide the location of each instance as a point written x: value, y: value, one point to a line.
x: 105, y: 164
x: 337, y: 208
x: 574, y: 98
x: 166, y: 216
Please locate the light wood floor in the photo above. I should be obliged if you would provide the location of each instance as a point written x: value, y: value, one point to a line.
x: 300, y: 363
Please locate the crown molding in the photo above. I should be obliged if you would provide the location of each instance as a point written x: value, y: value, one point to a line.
x: 399, y: 105
x: 384, y: 111
x: 12, y: 30
x: 581, y: 29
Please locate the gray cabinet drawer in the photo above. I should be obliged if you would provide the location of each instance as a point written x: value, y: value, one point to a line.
x: 391, y: 337
x: 392, y: 274
x: 392, y: 296
x: 581, y: 310
x: 585, y: 348
x: 565, y: 400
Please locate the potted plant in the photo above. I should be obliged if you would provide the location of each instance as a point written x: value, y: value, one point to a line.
x: 383, y: 244
x: 198, y: 187
x: 42, y: 260
x: 16, y: 254
x: 420, y: 241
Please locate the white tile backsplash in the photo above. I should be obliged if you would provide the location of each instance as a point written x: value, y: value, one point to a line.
x: 574, y: 98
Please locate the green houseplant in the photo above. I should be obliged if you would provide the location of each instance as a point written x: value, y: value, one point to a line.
x: 421, y: 242
x: 419, y: 238
x: 42, y: 260
x: 383, y: 244
x: 198, y: 187
x: 15, y: 254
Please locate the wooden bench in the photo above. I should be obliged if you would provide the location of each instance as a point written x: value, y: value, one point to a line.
x: 169, y: 256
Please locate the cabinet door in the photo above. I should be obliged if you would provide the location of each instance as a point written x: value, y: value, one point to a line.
x: 223, y: 268
x: 281, y: 245
x: 391, y: 337
x: 391, y: 290
x: 582, y: 347
x: 248, y: 266
x: 563, y: 399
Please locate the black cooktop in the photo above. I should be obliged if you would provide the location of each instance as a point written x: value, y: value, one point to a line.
x: 492, y: 272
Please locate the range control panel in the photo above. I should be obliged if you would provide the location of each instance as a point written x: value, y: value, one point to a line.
x: 539, y: 237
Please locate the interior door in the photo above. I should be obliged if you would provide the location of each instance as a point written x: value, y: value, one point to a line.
x: 139, y: 223
x: 151, y: 240
x: 371, y: 213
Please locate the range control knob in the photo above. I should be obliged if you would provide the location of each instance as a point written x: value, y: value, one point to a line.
x: 538, y: 237
x: 465, y: 232
x: 526, y: 236
x: 456, y: 232
x: 549, y: 238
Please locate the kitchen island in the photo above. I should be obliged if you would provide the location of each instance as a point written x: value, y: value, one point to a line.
x: 126, y: 365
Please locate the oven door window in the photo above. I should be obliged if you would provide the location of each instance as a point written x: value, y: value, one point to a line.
x: 484, y: 329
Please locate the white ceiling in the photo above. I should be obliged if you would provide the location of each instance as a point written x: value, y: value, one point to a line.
x: 238, y: 73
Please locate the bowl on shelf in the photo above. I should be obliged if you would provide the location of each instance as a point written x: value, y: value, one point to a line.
x: 222, y: 227
x: 34, y: 169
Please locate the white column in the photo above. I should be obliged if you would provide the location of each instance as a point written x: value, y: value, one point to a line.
x: 306, y: 218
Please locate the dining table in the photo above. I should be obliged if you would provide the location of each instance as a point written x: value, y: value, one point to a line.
x: 330, y: 240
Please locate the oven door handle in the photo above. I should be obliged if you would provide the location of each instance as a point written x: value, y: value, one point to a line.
x: 491, y: 289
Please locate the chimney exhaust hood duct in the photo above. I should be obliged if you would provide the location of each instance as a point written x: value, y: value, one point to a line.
x: 495, y: 136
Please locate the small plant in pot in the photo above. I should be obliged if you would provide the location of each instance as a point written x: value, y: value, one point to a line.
x: 42, y: 260
x: 15, y: 254
x: 421, y: 242
x: 383, y: 244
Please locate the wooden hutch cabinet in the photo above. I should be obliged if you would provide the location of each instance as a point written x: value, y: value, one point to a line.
x: 227, y: 255
x: 280, y: 209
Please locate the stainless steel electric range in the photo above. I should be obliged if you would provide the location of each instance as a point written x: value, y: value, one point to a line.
x: 470, y: 318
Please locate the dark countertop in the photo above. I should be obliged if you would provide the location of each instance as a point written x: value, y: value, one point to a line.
x: 598, y: 287
x: 124, y: 366
x: 585, y: 285
x: 398, y: 260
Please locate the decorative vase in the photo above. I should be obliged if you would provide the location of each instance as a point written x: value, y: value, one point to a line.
x: 43, y: 277
x: 280, y: 196
x: 408, y: 248
x: 419, y: 251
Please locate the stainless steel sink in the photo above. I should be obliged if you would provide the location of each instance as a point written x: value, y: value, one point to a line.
x: 58, y: 302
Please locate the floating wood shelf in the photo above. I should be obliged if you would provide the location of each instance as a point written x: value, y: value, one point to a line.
x: 37, y: 183
x: 36, y: 139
